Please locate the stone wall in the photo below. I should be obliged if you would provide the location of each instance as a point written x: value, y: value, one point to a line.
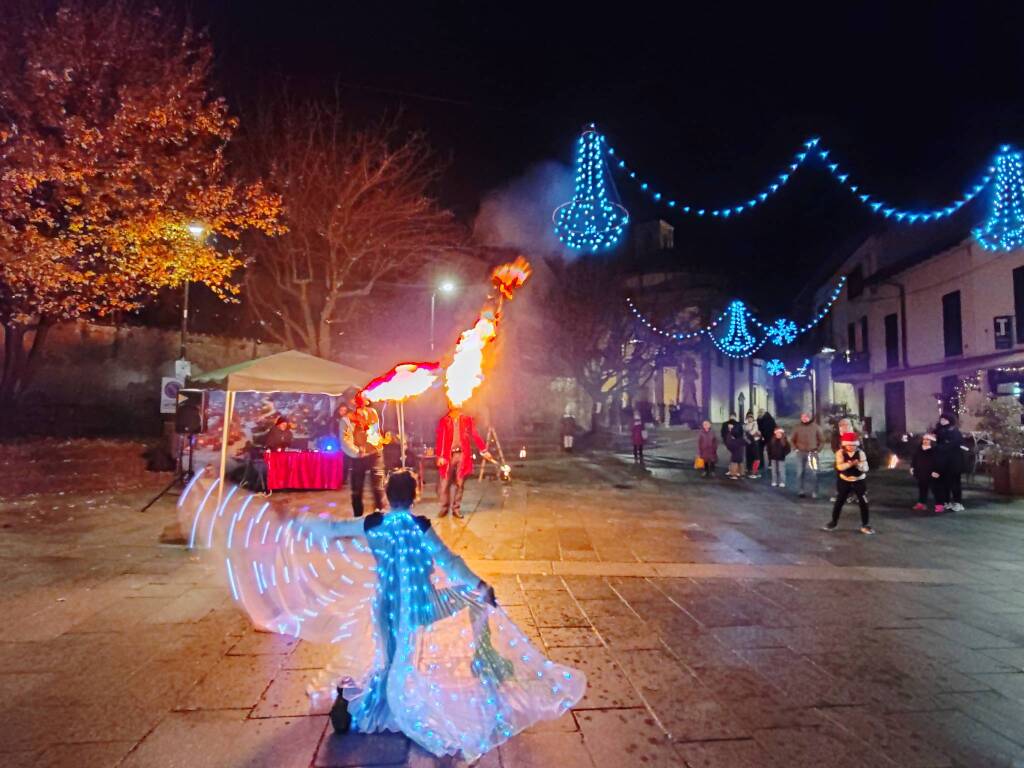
x: 105, y: 380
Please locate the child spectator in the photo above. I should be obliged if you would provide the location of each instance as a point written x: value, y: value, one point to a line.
x: 778, y: 450
x: 925, y: 467
x: 852, y: 473
x: 639, y: 438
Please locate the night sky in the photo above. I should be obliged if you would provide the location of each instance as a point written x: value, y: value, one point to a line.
x: 707, y: 103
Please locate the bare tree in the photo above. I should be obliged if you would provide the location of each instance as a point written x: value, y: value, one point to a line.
x: 358, y: 212
x: 594, y: 335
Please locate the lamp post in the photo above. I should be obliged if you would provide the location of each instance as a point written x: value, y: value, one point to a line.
x: 446, y: 287
x: 197, y: 231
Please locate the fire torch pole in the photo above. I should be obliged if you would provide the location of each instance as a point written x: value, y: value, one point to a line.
x: 401, y: 429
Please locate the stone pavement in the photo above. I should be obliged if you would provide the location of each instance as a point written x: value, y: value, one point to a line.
x: 717, y: 625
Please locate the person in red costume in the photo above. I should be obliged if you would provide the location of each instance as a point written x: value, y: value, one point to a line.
x: 456, y: 437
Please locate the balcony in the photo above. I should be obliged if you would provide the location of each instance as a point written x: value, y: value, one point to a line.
x: 849, y: 364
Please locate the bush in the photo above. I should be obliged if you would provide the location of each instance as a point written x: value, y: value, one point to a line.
x: 1001, y: 419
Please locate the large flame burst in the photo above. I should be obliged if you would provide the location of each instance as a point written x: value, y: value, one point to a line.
x: 402, y: 382
x: 466, y: 371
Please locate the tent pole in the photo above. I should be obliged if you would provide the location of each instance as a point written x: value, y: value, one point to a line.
x: 229, y: 405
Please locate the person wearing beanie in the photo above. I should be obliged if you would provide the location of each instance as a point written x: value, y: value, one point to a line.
x: 926, y: 469
x: 852, y: 473
x: 950, y: 449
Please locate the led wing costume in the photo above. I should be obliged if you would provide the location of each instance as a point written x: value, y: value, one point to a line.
x: 419, y: 650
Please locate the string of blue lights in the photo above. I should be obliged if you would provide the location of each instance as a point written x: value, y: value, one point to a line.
x: 738, y: 340
x: 812, y: 151
x: 593, y: 221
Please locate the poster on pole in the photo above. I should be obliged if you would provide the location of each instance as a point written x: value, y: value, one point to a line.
x: 1002, y: 326
x: 169, y: 387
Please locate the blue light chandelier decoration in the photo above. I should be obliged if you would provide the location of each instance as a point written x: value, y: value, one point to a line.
x: 1004, y: 229
x: 735, y: 338
x: 592, y: 222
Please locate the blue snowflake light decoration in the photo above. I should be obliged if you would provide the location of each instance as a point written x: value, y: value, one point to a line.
x: 782, y: 332
x: 591, y: 221
x: 1004, y: 229
x: 775, y: 367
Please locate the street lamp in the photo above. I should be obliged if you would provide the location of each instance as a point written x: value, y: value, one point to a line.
x: 197, y: 231
x: 446, y: 287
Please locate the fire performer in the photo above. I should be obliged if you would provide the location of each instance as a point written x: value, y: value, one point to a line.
x: 456, y: 436
x: 363, y: 443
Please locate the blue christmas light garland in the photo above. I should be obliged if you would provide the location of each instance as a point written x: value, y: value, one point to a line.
x: 738, y: 340
x: 1004, y: 229
x: 591, y: 221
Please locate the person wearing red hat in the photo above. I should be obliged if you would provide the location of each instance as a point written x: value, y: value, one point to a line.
x: 852, y: 471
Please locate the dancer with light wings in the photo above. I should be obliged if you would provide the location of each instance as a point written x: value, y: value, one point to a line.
x: 422, y: 646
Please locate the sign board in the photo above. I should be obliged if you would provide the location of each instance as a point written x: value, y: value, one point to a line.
x: 182, y: 369
x: 1002, y: 326
x: 169, y: 387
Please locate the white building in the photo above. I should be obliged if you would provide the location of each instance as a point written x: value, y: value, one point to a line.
x: 691, y: 376
x: 928, y: 320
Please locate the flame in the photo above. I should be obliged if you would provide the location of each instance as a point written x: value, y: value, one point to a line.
x: 466, y: 373
x: 894, y: 461
x: 402, y: 382
x: 508, y: 277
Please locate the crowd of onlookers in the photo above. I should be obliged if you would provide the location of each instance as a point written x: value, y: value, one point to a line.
x: 937, y: 464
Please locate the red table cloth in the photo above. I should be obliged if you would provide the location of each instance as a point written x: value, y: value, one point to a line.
x: 304, y: 469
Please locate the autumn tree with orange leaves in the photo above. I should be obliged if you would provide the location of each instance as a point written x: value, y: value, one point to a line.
x: 111, y: 143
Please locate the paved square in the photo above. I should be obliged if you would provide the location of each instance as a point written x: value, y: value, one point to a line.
x: 717, y: 624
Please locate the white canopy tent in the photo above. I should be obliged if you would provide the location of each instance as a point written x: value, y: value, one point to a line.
x: 291, y: 371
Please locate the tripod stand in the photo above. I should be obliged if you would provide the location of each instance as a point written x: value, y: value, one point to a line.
x: 182, y: 475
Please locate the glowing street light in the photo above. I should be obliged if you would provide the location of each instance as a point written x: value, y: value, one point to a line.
x: 197, y: 231
x: 447, y: 287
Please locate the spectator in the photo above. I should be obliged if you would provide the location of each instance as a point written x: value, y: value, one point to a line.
x: 765, y: 424
x: 736, y: 444
x: 568, y: 432
x: 807, y: 442
x: 851, y: 473
x: 707, y: 448
x: 639, y: 438
x: 778, y: 450
x: 925, y: 469
x: 728, y: 427
x: 951, y: 459
x: 755, y: 446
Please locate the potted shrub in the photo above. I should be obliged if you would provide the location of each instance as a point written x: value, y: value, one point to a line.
x: 1000, y: 418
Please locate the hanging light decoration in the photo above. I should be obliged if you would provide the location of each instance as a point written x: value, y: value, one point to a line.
x: 1004, y: 229
x: 738, y: 341
x: 592, y: 220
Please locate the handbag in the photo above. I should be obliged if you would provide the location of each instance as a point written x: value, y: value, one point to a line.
x: 698, y: 463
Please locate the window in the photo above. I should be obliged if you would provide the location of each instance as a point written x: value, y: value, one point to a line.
x: 892, y: 341
x: 851, y: 337
x: 860, y: 402
x: 1018, y: 302
x: 855, y: 282
x: 739, y: 364
x: 952, y: 331
x: 719, y: 360
x: 864, y: 346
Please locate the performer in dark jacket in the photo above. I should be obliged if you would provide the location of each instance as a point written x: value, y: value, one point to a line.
x: 951, y: 453
x: 926, y: 467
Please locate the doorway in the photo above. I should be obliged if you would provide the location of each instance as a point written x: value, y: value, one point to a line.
x: 895, y: 408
